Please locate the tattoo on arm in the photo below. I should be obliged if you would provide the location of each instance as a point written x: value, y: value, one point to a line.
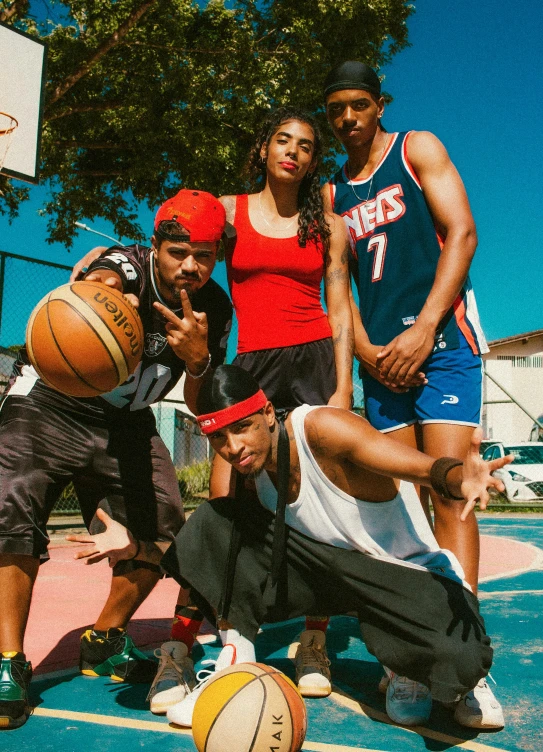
x: 338, y: 275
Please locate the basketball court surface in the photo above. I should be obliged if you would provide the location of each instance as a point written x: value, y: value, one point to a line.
x: 75, y: 712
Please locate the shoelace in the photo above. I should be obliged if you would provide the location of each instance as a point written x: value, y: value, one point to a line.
x: 167, y: 669
x: 407, y: 689
x: 311, y: 655
x: 200, y: 678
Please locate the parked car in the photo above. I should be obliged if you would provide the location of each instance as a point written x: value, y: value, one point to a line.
x: 523, y: 478
x: 536, y: 434
x: 485, y: 444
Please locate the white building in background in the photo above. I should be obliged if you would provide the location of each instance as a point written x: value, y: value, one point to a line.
x: 516, y: 363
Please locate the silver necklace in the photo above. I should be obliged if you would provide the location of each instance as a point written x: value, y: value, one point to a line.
x: 283, y: 227
x: 372, y: 175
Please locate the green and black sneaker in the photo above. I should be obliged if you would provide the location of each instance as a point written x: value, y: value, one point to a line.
x: 113, y: 653
x: 15, y: 675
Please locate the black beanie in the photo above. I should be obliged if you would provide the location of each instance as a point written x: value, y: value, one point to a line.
x: 352, y: 75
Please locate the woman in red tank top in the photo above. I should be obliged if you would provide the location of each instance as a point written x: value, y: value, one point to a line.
x: 285, y: 246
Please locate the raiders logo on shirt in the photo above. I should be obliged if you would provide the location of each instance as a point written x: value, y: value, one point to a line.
x: 154, y: 344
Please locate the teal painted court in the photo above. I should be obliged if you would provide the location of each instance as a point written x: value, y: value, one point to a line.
x: 75, y: 712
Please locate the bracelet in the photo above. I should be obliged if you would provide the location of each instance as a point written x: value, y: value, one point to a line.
x: 438, y: 477
x: 199, y: 376
x: 137, y: 551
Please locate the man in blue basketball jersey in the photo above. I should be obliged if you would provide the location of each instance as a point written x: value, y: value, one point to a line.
x: 417, y: 330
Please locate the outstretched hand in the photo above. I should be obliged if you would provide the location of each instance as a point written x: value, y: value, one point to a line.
x: 116, y: 543
x: 187, y: 336
x: 477, y: 478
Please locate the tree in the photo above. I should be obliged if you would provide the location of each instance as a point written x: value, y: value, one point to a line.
x: 144, y: 96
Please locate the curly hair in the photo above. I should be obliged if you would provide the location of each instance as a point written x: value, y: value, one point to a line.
x: 312, y: 224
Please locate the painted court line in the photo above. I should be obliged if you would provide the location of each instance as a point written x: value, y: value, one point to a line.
x: 164, y: 728
x: 482, y: 595
x: 110, y: 720
x: 346, y: 701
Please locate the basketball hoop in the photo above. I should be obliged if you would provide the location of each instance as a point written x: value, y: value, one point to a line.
x: 8, y: 126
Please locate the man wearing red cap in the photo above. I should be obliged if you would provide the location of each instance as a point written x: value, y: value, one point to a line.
x: 108, y: 445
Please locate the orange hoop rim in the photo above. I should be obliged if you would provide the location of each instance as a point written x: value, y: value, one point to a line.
x: 14, y: 124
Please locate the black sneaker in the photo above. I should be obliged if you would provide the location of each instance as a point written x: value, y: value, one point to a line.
x: 113, y: 653
x: 15, y: 675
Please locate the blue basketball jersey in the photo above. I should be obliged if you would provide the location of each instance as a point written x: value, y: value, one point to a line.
x: 396, y: 249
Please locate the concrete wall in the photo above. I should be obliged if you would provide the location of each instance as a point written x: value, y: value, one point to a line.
x: 505, y: 421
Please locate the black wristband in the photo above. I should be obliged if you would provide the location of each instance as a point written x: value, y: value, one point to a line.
x: 438, y: 477
x: 137, y: 551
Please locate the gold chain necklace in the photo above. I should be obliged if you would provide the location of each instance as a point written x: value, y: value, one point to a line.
x: 372, y: 175
x: 283, y: 227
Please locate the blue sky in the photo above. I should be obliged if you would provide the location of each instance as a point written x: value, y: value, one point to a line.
x: 473, y: 77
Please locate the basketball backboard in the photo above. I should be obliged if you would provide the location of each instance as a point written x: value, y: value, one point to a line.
x: 22, y: 84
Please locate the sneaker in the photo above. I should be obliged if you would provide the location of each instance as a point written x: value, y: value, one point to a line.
x: 174, y: 679
x: 15, y: 675
x: 383, y: 684
x: 181, y: 714
x: 408, y: 703
x: 114, y: 654
x: 312, y: 665
x: 480, y: 709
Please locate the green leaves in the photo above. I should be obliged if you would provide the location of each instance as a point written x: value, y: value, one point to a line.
x: 144, y: 96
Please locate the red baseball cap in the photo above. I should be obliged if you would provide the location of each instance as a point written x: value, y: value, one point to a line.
x: 200, y: 213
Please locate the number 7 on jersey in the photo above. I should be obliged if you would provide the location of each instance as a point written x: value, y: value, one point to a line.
x: 379, y: 244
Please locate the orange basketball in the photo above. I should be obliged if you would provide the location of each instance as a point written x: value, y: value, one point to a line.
x: 84, y: 339
x: 249, y: 707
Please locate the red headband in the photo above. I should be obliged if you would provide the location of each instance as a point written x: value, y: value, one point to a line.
x: 215, y: 421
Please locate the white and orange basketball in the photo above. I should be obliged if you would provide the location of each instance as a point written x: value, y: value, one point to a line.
x: 249, y: 707
x: 84, y: 339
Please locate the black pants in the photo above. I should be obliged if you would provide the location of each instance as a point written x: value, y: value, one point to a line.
x: 417, y: 623
x: 121, y: 466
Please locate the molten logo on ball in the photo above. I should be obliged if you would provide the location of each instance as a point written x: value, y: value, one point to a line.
x: 120, y: 319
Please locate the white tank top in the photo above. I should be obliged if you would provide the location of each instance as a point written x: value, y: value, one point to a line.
x: 395, y: 530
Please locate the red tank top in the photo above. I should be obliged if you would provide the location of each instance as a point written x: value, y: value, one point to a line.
x: 275, y: 287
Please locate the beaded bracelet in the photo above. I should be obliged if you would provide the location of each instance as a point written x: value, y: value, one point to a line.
x: 206, y: 369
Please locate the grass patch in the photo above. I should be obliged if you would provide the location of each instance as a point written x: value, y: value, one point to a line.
x: 194, y: 482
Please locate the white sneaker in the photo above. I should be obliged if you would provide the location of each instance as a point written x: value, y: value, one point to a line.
x: 408, y: 703
x: 181, y: 714
x: 479, y: 709
x: 312, y: 665
x: 174, y: 678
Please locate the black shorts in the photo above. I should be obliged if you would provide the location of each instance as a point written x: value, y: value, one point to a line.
x: 417, y: 623
x: 296, y: 375
x: 121, y: 466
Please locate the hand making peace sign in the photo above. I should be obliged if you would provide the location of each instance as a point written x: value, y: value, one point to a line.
x: 187, y: 336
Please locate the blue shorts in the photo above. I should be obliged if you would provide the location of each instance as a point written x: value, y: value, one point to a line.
x: 453, y: 393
